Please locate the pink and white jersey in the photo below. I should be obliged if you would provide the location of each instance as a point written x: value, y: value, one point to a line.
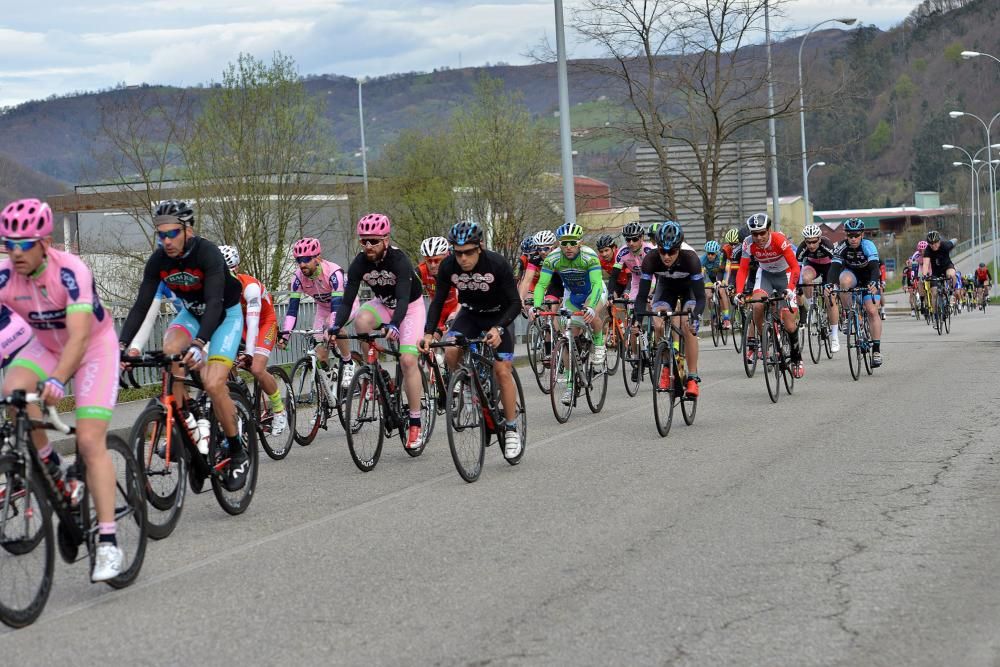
x: 323, y: 286
x: 64, y: 284
x: 626, y: 259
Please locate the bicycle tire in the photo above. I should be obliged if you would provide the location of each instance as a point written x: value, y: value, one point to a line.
x: 632, y: 365
x: 165, y: 485
x: 276, y: 447
x: 749, y: 365
x: 130, y: 514
x: 428, y: 415
x: 689, y: 404
x: 20, y: 543
x: 853, y: 348
x: 365, y: 414
x: 738, y: 323
x: 562, y: 374
x: 663, y: 399
x: 308, y: 402
x: 467, y: 436
x: 772, y: 361
x: 866, y: 349
x: 536, y: 342
x: 947, y: 321
x: 237, y: 502
x: 813, y: 333
x: 828, y: 334
x: 716, y: 324
x: 613, y: 360
x: 787, y: 376
x: 522, y: 421
x: 596, y: 377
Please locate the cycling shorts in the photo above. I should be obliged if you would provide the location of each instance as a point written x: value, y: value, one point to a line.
x: 225, y: 342
x: 95, y: 383
x: 861, y: 278
x: 769, y: 281
x: 267, y: 336
x: 673, y: 296
x: 474, y: 325
x: 411, y: 330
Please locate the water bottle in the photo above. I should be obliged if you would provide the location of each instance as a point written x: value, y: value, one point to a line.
x: 204, y: 432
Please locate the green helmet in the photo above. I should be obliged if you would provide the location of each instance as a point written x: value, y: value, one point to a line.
x: 651, y: 232
x: 569, y: 230
x: 732, y: 236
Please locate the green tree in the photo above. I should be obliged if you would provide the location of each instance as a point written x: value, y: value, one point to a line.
x: 254, y: 156
x: 845, y: 188
x: 931, y: 164
x: 880, y: 138
x: 953, y: 53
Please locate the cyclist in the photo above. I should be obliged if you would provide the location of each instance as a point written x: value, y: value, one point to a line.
x: 917, y: 296
x: 607, y: 251
x: 714, y: 269
x: 815, y: 256
x: 194, y: 269
x: 983, y: 282
x: 543, y: 243
x: 490, y: 304
x: 397, y: 306
x: 855, y: 262
x: 527, y: 247
x: 260, y: 331
x: 580, y: 270
x: 629, y: 258
x: 777, y: 270
x: 937, y: 260
x: 679, y: 288
x: 53, y: 292
x: 960, y: 281
x: 323, y: 280
x: 435, y: 250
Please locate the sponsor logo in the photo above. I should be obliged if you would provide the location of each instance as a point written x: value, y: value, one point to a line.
x: 480, y: 282
x: 380, y: 278
x: 4, y: 277
x: 184, y: 280
x: 68, y: 279
x: 46, y: 315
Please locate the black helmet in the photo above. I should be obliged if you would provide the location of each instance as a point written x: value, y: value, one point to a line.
x: 982, y: 265
x: 933, y: 236
x: 177, y: 209
x: 605, y: 241
x: 632, y: 230
x: 464, y: 233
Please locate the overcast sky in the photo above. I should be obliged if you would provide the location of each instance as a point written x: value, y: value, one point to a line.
x: 60, y: 46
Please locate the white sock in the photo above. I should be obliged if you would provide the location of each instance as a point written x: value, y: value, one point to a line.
x: 834, y: 329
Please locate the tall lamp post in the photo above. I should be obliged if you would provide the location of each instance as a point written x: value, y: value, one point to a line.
x: 565, y: 138
x: 993, y: 189
x: 975, y: 54
x: 364, y: 149
x: 772, y: 135
x: 802, y: 111
x: 973, y: 186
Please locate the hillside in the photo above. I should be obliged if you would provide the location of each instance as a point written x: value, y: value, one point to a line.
x: 18, y: 181
x: 891, y: 87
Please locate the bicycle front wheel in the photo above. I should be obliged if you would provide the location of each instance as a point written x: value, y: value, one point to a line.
x: 562, y: 375
x: 772, y: 361
x: 164, y: 473
x: 522, y: 420
x: 597, y: 386
x: 536, y: 355
x: 466, y: 433
x: 276, y: 445
x: 308, y: 401
x: 853, y: 346
x: 749, y: 350
x: 613, y: 344
x: 713, y: 319
x: 237, y: 502
x: 739, y: 323
x: 632, y: 368
x: 27, y: 559
x: 364, y: 415
x: 814, y: 334
x: 664, y: 388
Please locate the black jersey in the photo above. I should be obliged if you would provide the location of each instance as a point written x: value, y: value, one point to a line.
x: 393, y: 281
x: 940, y: 258
x: 683, y: 274
x: 818, y: 258
x: 199, y: 278
x: 489, y: 288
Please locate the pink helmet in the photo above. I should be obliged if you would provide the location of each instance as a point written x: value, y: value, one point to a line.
x: 307, y: 247
x: 26, y: 219
x: 921, y: 246
x: 374, y: 224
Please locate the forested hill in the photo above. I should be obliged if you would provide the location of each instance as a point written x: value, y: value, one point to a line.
x: 880, y: 132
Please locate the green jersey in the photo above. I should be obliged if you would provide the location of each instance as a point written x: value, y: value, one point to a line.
x: 581, y: 277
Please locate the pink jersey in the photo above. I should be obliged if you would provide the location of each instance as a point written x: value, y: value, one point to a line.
x: 63, y: 285
x: 627, y: 260
x: 324, y: 287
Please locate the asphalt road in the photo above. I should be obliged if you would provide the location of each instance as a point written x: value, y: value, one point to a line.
x: 853, y: 523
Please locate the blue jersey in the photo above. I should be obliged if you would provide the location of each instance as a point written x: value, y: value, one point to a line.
x: 712, y: 268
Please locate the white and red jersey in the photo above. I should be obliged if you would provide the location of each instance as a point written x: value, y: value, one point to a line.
x: 777, y: 256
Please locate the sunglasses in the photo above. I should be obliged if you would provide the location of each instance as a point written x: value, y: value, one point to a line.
x: 671, y: 252
x: 370, y: 242
x: 23, y: 245
x: 172, y: 234
x: 812, y: 241
x: 633, y: 239
x: 466, y: 253
x: 305, y: 260
x: 854, y: 236
x: 433, y: 261
x: 569, y: 244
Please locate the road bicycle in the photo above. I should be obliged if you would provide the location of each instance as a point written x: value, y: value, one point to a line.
x: 857, y: 333
x: 715, y: 319
x: 542, y: 332
x: 614, y: 333
x: 817, y: 332
x: 317, y: 391
x: 474, y: 414
x: 670, y: 375
x: 636, y: 355
x: 573, y: 371
x: 375, y: 405
x: 276, y: 446
x: 28, y: 498
x: 775, y: 347
x: 169, y: 455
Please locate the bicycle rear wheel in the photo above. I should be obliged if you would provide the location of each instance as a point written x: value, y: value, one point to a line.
x: 130, y: 513
x: 467, y: 435
x: 27, y: 559
x: 787, y: 377
x: 866, y: 346
x: 237, y: 502
x: 364, y: 413
x: 772, y: 361
x: 276, y: 446
x: 164, y: 481
x: 562, y: 375
x: 716, y: 325
x: 663, y: 392
x: 738, y: 325
x: 428, y: 413
x: 308, y: 401
x: 947, y: 320
x: 536, y: 355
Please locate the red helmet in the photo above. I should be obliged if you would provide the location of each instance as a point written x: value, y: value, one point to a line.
x: 26, y: 219
x: 307, y: 247
x: 374, y: 224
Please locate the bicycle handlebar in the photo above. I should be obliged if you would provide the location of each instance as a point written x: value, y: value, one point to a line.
x: 151, y: 359
x: 21, y: 399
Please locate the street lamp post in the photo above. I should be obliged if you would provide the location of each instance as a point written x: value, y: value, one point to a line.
x: 802, y: 111
x: 805, y: 189
x: 973, y: 185
x: 364, y: 149
x: 565, y: 138
x: 772, y: 135
x: 975, y: 54
x: 993, y: 192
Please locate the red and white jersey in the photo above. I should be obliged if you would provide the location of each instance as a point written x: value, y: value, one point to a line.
x: 778, y: 256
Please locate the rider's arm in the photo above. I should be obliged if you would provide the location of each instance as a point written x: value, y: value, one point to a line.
x: 79, y: 321
x: 525, y: 282
x: 741, y: 274
x: 926, y: 267
x: 440, y: 294
x: 543, y: 283
x: 252, y: 296
x: 793, y: 265
x: 698, y: 287
x: 508, y: 294
x: 596, y: 285
x: 337, y: 289
x: 215, y: 291
x: 147, y: 291
x: 645, y: 281
x: 292, y: 314
x: 350, y: 293
x: 146, y: 328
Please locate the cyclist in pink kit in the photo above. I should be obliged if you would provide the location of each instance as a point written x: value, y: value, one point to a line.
x: 630, y: 257
x: 53, y: 291
x: 323, y: 280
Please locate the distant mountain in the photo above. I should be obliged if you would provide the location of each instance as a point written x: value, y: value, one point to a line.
x: 876, y: 135
x: 18, y: 181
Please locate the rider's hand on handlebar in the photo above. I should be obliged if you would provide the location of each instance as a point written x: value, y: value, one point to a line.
x: 425, y: 343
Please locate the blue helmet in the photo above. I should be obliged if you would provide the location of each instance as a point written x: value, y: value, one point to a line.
x: 854, y: 225
x: 712, y: 248
x: 669, y: 235
x: 463, y: 233
x: 569, y: 230
x: 528, y: 244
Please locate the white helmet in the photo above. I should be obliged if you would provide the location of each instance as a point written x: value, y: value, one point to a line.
x: 544, y: 238
x: 435, y: 245
x: 811, y: 232
x: 231, y: 255
x: 758, y: 222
